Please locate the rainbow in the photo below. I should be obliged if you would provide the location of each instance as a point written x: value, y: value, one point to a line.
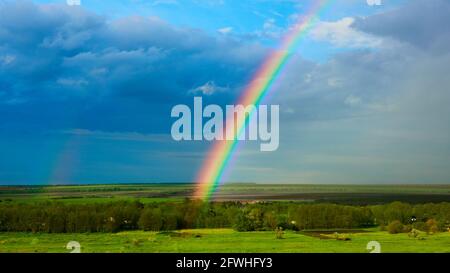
x: 220, y: 154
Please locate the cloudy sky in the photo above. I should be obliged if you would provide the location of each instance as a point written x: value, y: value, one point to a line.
x: 86, y: 91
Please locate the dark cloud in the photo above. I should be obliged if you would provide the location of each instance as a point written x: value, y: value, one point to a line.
x: 422, y: 23
x: 382, y: 113
x: 63, y: 66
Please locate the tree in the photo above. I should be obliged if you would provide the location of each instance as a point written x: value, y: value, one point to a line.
x: 151, y: 219
x: 243, y: 222
x: 169, y: 219
x: 270, y: 221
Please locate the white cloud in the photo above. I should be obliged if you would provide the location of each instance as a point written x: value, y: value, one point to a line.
x: 374, y: 2
x: 7, y: 59
x: 341, y: 33
x: 270, y: 30
x: 72, y: 82
x: 208, y: 89
x: 164, y: 2
x: 334, y: 82
x: 352, y: 100
x: 225, y: 30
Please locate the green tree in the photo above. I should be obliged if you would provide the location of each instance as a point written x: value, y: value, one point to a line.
x: 151, y: 219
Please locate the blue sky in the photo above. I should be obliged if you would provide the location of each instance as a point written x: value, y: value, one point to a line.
x: 86, y: 91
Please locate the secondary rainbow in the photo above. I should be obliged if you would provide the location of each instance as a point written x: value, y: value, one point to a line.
x: 220, y: 154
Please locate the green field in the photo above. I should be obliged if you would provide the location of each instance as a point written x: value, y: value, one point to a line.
x: 225, y: 240
x: 146, y: 193
x: 221, y: 240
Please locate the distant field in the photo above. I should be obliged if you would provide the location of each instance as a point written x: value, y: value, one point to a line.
x: 346, y: 194
x: 220, y: 241
x: 225, y: 240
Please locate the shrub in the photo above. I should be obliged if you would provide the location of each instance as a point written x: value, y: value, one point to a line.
x: 421, y: 226
x: 407, y: 228
x: 432, y: 226
x: 414, y: 233
x: 395, y: 227
x: 279, y: 233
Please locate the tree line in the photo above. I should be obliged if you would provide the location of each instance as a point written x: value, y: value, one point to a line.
x: 54, y: 217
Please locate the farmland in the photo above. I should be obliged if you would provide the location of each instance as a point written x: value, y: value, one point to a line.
x: 145, y: 193
x: 241, y: 218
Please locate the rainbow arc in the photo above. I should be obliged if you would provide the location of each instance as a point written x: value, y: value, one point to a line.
x: 221, y: 153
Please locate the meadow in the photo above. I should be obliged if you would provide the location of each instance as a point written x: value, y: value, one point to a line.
x: 222, y: 241
x: 353, y: 214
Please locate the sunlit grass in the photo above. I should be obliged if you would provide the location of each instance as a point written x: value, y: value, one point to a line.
x: 221, y: 240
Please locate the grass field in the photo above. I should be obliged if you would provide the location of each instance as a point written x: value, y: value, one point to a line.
x: 226, y: 240
x: 145, y: 193
x: 221, y: 241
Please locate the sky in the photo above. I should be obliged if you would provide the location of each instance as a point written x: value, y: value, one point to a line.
x: 86, y: 91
